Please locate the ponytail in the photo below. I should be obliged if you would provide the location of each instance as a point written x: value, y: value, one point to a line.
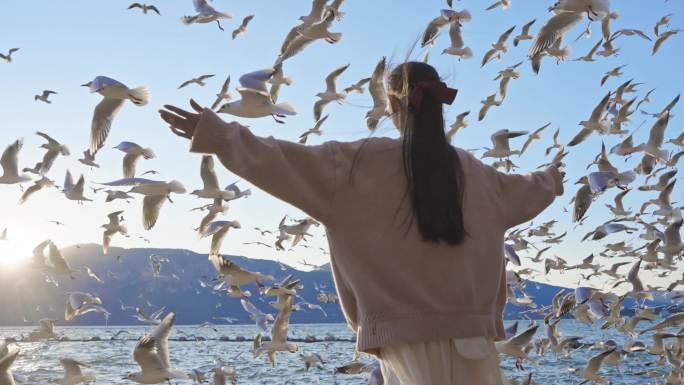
x: 432, y: 167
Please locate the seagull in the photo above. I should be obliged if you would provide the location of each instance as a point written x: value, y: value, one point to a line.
x: 536, y: 135
x: 516, y: 345
x: 500, y: 141
x: 615, y: 72
x: 198, y: 80
x: 656, y: 137
x: 8, y: 57
x: 133, y: 153
x: 619, y: 208
x: 92, y: 274
x: 73, y: 191
x: 457, y: 47
x: 206, y: 13
x: 525, y: 34
x: 224, y: 94
x: 45, y: 331
x: 79, y: 303
x: 279, y: 341
x: 505, y: 76
x: 88, y: 159
x: 155, y: 192
x: 330, y: 93
x: 211, y: 188
x: 54, y: 149
x: 257, y: 315
x: 44, y: 96
x: 114, y: 226
x: 238, y: 193
x: 552, y: 30
x: 631, y: 32
x: 37, y: 186
x: 457, y: 125
x: 498, y: 47
x: 144, y: 8
x: 334, y: 8
x: 665, y: 20
x: 378, y: 93
x: 59, y: 264
x: 152, y: 319
x: 316, y: 129
x: 316, y: 14
x: 505, y: 4
x: 243, y: 27
x: 10, y: 164
x: 593, y: 8
x: 432, y: 30
x: 218, y: 230
x: 595, y: 122
x: 113, y: 195
x: 486, y: 104
x: 256, y: 100
x: 662, y: 38
x: 234, y: 275
x: 673, y: 242
x: 590, y: 372
x: 277, y: 80
x: 212, y: 212
x: 312, y: 360
x: 6, y: 361
x: 114, y: 95
x: 589, y: 57
x: 358, y: 86
x: 302, y: 36
x: 152, y: 355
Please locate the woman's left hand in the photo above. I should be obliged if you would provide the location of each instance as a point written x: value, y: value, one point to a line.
x: 182, y: 122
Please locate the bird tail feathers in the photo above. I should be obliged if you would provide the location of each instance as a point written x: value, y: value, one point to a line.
x: 139, y: 96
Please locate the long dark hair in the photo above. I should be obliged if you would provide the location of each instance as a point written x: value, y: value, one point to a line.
x: 432, y: 167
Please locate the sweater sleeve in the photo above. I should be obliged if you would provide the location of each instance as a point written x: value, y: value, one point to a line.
x: 518, y: 197
x: 303, y: 176
x: 524, y: 196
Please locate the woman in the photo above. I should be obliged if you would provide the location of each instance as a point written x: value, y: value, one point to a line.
x: 415, y: 227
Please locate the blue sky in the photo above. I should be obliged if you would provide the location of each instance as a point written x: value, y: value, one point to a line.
x: 65, y: 44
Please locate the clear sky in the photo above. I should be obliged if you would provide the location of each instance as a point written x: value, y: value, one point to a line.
x: 65, y: 44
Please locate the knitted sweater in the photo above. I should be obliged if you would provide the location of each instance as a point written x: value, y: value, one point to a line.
x: 393, y: 286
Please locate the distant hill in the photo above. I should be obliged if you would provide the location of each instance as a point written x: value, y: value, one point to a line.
x: 27, y: 296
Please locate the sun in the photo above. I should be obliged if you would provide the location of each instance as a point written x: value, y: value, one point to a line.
x: 14, y: 253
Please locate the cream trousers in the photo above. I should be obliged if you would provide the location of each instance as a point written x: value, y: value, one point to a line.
x: 463, y: 361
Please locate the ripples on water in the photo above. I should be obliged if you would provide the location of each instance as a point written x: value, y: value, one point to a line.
x: 110, y: 361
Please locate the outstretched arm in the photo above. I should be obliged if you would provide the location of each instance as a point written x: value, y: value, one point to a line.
x: 303, y: 176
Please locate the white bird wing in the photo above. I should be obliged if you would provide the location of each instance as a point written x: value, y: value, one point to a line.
x: 7, y: 361
x: 79, y: 187
x: 376, y: 86
x: 48, y: 138
x: 257, y: 80
x: 598, y: 111
x: 10, y: 158
x: 161, y: 338
x: 332, y: 77
x: 68, y: 181
x: 282, y: 322
x: 72, y: 368
x: 152, y: 205
x: 208, y: 174
x: 254, y: 97
x: 555, y: 27
x: 250, y: 308
x: 246, y: 21
x: 672, y: 233
x: 595, y: 362
x: 147, y: 356
x: 504, y: 36
x: 455, y: 35
x: 103, y: 117
x: 657, y: 134
x: 57, y: 259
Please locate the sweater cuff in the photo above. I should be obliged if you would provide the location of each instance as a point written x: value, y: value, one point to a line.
x: 207, y: 133
x: 557, y: 180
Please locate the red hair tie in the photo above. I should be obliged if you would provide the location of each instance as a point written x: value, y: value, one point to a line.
x: 438, y: 89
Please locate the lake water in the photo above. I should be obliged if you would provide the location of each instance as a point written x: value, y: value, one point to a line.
x: 109, y: 361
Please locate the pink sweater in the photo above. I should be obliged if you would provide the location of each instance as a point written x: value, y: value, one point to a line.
x: 393, y: 287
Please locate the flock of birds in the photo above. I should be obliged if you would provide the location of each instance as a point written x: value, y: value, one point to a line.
x: 659, y: 230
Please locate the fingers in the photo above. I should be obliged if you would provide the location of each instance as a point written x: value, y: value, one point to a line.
x: 179, y: 111
x: 195, y: 106
x: 171, y: 119
x: 180, y: 132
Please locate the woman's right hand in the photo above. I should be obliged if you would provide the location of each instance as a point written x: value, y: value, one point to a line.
x: 182, y: 123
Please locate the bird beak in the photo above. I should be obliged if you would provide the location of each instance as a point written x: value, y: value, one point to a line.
x: 87, y: 85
